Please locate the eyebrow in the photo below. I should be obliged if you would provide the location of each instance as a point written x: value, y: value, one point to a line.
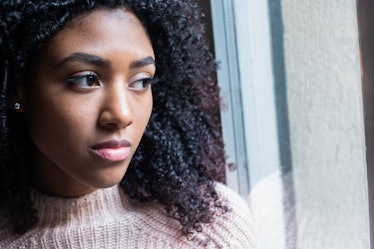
x: 98, y: 61
x: 85, y: 58
x: 142, y: 62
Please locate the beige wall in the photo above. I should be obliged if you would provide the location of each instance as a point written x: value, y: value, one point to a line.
x: 326, y: 122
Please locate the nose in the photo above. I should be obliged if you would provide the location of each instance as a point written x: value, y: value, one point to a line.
x: 116, y: 111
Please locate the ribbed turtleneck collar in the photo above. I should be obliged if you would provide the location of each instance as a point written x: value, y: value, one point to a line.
x: 90, y: 208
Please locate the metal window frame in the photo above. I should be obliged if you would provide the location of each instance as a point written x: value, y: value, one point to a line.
x: 242, y: 41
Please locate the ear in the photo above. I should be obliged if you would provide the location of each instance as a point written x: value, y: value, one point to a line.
x: 18, y: 100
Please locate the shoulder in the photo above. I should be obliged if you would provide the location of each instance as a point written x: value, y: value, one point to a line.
x: 232, y: 198
x: 233, y: 229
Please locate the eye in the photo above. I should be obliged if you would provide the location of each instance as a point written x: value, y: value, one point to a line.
x: 141, y: 85
x: 84, y: 80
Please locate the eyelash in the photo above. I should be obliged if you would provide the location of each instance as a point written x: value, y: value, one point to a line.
x: 92, y: 81
x: 145, y: 84
x: 90, y: 78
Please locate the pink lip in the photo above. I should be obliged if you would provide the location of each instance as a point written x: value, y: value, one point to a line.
x: 112, y: 150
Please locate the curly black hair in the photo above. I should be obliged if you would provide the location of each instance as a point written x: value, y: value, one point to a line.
x: 181, y: 153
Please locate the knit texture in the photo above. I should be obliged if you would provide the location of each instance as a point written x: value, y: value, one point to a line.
x: 106, y: 218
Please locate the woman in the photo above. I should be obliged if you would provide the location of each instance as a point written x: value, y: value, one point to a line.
x: 98, y: 148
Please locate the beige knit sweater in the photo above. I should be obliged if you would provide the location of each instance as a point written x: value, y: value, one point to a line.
x: 106, y: 218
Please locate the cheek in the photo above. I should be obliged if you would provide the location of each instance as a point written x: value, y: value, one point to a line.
x: 142, y: 113
x: 147, y: 110
x: 56, y: 124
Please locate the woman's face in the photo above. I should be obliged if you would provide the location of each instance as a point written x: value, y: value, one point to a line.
x: 90, y: 102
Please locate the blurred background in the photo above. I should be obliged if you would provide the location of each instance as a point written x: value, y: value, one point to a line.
x: 296, y: 79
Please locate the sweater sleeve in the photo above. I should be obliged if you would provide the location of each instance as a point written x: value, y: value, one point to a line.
x: 234, y: 229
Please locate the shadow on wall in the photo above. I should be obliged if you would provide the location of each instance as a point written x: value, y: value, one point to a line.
x: 280, y: 85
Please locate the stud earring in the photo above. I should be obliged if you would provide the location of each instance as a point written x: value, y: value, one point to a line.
x: 17, y: 106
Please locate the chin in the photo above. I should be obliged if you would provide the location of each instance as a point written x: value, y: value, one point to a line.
x: 106, y: 183
x: 105, y: 178
x: 109, y: 182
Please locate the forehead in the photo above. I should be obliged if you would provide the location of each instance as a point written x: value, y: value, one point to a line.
x: 100, y: 30
x: 110, y: 15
